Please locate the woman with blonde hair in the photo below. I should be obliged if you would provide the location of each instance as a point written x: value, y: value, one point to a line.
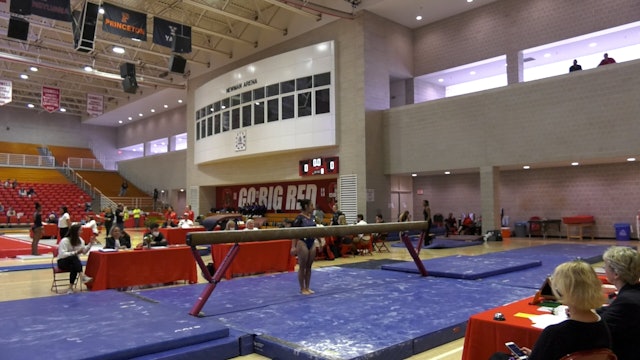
x: 577, y: 286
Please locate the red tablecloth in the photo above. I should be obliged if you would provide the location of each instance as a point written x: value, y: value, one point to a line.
x: 111, y: 270
x: 49, y: 231
x: 485, y: 335
x: 177, y: 236
x: 256, y: 257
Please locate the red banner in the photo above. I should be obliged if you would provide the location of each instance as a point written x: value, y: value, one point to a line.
x: 95, y: 104
x: 281, y: 197
x: 6, y: 91
x: 50, y: 98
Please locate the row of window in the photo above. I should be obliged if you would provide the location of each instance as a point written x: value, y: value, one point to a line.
x: 286, y: 100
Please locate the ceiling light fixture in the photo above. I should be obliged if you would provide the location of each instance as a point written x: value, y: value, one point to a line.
x: 30, y: 106
x: 419, y: 17
x: 101, y: 11
x: 440, y: 80
x: 34, y: 69
x: 414, y: 175
x: 166, y: 106
x: 63, y: 110
x: 140, y: 114
x: 88, y: 68
x: 130, y: 118
x: 575, y: 163
x: 631, y: 159
x: 526, y: 167
x: 447, y: 172
x: 179, y: 101
x: 118, y: 49
x: 24, y: 76
x: 153, y: 110
x: 119, y: 121
x: 593, y: 44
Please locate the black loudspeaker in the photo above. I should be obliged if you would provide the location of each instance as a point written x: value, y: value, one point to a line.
x: 181, y: 44
x: 127, y: 69
x: 85, y: 32
x: 130, y: 85
x: 22, y: 7
x: 177, y: 64
x: 18, y: 28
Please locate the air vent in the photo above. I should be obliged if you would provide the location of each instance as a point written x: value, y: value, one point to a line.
x: 527, y: 59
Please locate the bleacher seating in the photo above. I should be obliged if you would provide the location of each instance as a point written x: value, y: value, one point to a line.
x: 108, y: 182
x: 19, y: 148
x: 63, y: 153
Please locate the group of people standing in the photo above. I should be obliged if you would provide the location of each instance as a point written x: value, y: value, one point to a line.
x: 605, y: 61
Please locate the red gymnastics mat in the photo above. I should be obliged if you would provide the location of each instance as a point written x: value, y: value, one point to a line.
x: 11, y: 247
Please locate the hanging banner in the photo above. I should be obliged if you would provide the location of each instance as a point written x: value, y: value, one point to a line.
x: 50, y: 100
x: 164, y: 30
x: 123, y: 22
x: 95, y: 104
x: 52, y: 9
x: 6, y: 91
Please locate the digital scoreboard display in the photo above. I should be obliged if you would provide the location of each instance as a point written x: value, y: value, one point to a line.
x: 319, y: 166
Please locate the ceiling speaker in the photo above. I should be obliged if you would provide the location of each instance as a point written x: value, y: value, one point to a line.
x: 181, y: 44
x: 127, y: 69
x: 130, y: 85
x: 177, y: 64
x: 18, y: 28
x: 22, y: 7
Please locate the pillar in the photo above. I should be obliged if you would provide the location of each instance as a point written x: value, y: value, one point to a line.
x: 490, y: 197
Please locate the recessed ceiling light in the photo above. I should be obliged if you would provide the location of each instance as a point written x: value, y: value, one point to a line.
x: 469, y: 1
x: 134, y: 39
x: 593, y: 44
x: 33, y: 68
x: 179, y: 101
x: 419, y: 17
x: 153, y: 110
x: 140, y: 114
x: 526, y: 167
x: 63, y: 110
x: 631, y: 159
x: 447, y: 172
x: 414, y: 175
x: 101, y: 10
x: 575, y: 163
x: 24, y: 76
x: 119, y: 121
x: 130, y: 118
x: 472, y: 73
x: 166, y: 106
x: 88, y: 68
x: 118, y: 49
x: 547, y: 55
x: 440, y: 80
x: 30, y: 106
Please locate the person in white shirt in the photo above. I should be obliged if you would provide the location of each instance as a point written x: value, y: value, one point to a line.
x: 68, y: 250
x: 361, y: 239
x: 250, y: 225
x: 64, y: 221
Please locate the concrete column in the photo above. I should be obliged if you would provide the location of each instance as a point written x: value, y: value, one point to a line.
x: 515, y: 67
x: 490, y: 197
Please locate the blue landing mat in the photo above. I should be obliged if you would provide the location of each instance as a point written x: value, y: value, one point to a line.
x: 354, y: 314
x: 99, y: 325
x: 30, y: 267
x: 447, y: 242
x: 466, y: 267
x: 551, y: 256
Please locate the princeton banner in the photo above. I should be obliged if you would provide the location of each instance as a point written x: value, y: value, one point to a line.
x: 52, y: 9
x: 164, y: 30
x: 123, y: 22
x: 50, y: 98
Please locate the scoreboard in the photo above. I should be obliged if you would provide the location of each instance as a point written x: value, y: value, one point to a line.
x: 319, y: 166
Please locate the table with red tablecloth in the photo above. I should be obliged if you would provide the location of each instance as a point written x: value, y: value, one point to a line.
x: 112, y: 270
x: 485, y: 335
x: 178, y: 236
x: 256, y: 257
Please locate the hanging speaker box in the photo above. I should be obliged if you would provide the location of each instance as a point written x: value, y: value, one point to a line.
x: 177, y: 64
x: 18, y: 28
x: 130, y: 85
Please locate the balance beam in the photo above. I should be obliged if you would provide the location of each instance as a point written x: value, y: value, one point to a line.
x: 234, y: 236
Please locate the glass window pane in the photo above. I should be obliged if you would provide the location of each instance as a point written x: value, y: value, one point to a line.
x: 246, y: 115
x: 209, y: 109
x: 198, y: 131
x: 203, y: 128
x: 246, y: 97
x: 258, y: 113
x: 272, y: 110
x: 322, y: 79
x: 216, y: 106
x: 287, y: 86
x: 235, y: 100
x: 258, y: 93
x: 224, y: 104
x: 303, y: 83
x: 304, y: 104
x: 273, y: 90
x: 322, y: 101
x: 235, y: 118
x: 209, y: 126
x: 225, y: 121
x: 216, y: 123
x: 288, y: 107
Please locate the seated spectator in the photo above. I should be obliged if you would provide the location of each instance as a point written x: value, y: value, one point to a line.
x: 153, y: 237
x: 14, y: 184
x: 231, y: 225
x: 52, y: 218
x: 577, y: 286
x: 250, y: 225
x: 405, y: 216
x: 451, y: 225
x: 7, y: 183
x: 171, y: 218
x: 31, y: 192
x: 90, y: 222
x: 1, y: 208
x: 22, y: 192
x: 345, y: 239
x: 10, y: 213
x: 70, y: 247
x: 118, y: 239
x: 468, y: 227
x: 622, y: 268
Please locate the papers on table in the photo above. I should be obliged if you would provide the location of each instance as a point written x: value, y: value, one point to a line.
x: 107, y: 250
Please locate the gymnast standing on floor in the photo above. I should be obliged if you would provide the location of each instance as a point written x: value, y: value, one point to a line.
x: 305, y: 248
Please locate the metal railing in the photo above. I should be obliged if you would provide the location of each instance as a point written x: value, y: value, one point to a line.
x: 27, y: 160
x: 84, y: 163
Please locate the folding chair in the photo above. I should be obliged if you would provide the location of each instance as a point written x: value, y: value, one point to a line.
x: 365, y: 245
x: 380, y: 242
x: 59, y: 277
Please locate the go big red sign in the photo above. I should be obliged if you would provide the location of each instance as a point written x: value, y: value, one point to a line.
x: 279, y: 196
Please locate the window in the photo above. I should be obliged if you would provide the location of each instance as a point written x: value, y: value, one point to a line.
x: 287, y: 86
x: 322, y: 101
x: 322, y: 79
x: 235, y: 118
x: 235, y: 100
x: 288, y: 107
x: 273, y: 90
x: 258, y: 94
x: 198, y: 131
x: 246, y: 97
x: 246, y: 115
x: 272, y: 110
x: 258, y: 113
x: 304, y: 83
x: 209, y: 126
x: 216, y: 124
x: 304, y: 104
x: 225, y: 121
